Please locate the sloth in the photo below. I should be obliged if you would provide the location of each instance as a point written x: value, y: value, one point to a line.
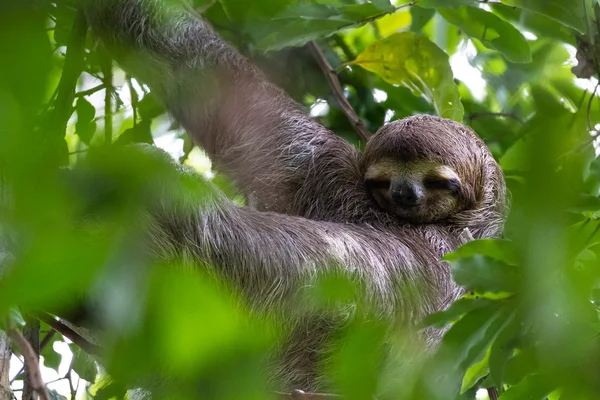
x: 315, y: 203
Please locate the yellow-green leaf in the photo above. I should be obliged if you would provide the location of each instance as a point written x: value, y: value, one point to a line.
x: 414, y: 61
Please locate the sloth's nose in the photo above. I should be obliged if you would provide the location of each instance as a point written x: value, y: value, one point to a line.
x: 406, y: 194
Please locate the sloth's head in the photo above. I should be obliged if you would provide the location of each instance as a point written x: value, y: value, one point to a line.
x: 427, y: 169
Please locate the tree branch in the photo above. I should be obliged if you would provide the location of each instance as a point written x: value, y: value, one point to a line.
x: 69, y: 333
x: 31, y: 332
x: 336, y: 87
x: 32, y: 363
x: 90, y: 91
x: 74, y: 60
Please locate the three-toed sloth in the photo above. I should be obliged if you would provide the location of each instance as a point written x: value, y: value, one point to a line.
x: 385, y: 216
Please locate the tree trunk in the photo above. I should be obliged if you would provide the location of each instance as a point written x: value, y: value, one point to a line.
x: 5, y: 354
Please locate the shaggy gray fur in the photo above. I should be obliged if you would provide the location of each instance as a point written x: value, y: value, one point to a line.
x: 309, y: 210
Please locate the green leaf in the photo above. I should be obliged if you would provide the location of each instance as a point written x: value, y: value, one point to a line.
x: 521, y: 365
x: 466, y: 342
x: 244, y: 10
x: 358, y: 12
x: 52, y: 359
x: 484, y: 274
x: 383, y: 5
x: 83, y: 364
x: 364, y: 342
x: 85, y: 126
x: 454, y: 312
x: 445, y: 3
x: 140, y: 133
x: 309, y: 11
x: 501, y: 350
x: 569, y: 13
x: 414, y: 61
x: 537, y: 23
x: 420, y: 17
x: 499, y: 249
x: 300, y: 23
x: 533, y: 387
x: 475, y: 373
x: 298, y: 32
x: 150, y: 107
x: 492, y: 31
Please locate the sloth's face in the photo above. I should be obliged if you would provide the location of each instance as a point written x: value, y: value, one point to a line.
x: 418, y: 191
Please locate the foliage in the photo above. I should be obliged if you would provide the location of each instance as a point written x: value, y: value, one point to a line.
x: 528, y: 326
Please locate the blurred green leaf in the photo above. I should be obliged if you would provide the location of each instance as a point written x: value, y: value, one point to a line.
x: 468, y: 339
x: 383, y: 5
x: 140, y: 133
x: 242, y: 10
x: 537, y: 23
x: 150, y: 107
x: 414, y: 61
x: 501, y: 350
x: 420, y: 17
x: 534, y: 387
x: 363, y: 344
x: 484, y: 274
x: 499, y: 249
x: 492, y: 31
x: 568, y: 13
x: 475, y: 373
x: 454, y: 312
x: 297, y: 32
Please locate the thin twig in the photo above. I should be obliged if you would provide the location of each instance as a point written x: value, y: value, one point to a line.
x: 134, y: 100
x: 90, y: 91
x: 69, y: 333
x: 46, y: 340
x: 107, y: 73
x: 336, y: 87
x: 32, y: 362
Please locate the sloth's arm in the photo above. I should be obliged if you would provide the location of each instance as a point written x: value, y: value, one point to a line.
x: 270, y: 256
x: 251, y: 129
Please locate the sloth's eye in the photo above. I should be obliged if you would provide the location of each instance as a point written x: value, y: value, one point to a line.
x: 377, y: 184
x: 442, y: 184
